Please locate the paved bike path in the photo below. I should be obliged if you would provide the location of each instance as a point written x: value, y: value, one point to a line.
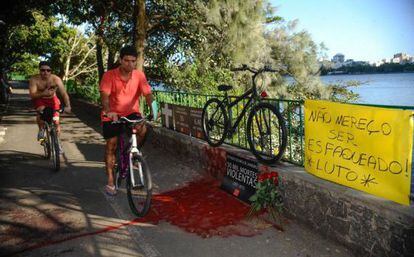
x: 43, y: 213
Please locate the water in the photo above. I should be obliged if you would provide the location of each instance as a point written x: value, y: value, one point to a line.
x: 382, y: 89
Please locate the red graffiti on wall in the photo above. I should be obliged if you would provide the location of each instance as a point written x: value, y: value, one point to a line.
x: 216, y: 161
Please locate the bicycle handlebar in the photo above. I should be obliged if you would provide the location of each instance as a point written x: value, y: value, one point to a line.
x: 124, y: 120
x: 60, y: 110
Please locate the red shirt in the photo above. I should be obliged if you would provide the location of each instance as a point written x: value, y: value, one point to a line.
x: 124, y: 95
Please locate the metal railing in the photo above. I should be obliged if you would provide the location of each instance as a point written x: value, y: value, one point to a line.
x: 292, y: 111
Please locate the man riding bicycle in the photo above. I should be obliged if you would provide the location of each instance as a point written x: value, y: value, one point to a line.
x: 42, y: 89
x: 120, y: 90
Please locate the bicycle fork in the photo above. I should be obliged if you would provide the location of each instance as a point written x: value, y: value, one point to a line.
x: 134, y: 151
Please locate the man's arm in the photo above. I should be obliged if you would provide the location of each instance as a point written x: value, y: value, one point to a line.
x: 148, y: 99
x: 64, y: 94
x: 105, y: 102
x: 106, y: 108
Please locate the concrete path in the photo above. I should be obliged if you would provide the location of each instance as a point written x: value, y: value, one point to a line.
x: 66, y: 213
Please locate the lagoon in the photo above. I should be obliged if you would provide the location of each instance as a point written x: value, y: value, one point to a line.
x: 380, y: 89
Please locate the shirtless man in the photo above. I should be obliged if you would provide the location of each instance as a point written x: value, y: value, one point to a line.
x: 43, y: 88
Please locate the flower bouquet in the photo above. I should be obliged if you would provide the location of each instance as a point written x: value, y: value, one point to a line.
x: 267, y: 198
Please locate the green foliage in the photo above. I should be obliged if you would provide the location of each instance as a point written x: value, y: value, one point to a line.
x: 383, y: 68
x: 267, y: 196
x: 190, y: 45
x: 88, y: 90
x: 28, y: 65
x: 197, y: 77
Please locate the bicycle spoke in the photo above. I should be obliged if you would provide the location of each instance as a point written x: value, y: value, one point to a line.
x: 266, y: 133
x: 139, y: 186
x: 214, y: 122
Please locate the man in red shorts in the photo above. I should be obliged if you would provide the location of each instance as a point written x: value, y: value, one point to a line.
x: 42, y: 89
x: 120, y: 91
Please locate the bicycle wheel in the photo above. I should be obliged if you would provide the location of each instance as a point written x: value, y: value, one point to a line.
x: 266, y: 133
x: 4, y: 95
x: 215, y: 123
x: 139, y: 186
x: 46, y: 143
x: 54, y: 149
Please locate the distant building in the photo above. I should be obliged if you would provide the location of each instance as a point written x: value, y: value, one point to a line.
x: 338, y: 58
x: 401, y: 58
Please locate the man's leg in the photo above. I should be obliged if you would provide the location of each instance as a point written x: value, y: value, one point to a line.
x: 40, y: 122
x: 141, y: 131
x: 110, y: 149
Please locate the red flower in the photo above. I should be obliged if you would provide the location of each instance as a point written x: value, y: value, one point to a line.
x: 276, y: 180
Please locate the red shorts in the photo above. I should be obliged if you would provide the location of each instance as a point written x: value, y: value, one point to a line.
x: 53, y: 103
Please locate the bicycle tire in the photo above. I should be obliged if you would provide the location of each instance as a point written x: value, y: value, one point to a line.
x: 4, y: 95
x: 54, y: 143
x: 270, y: 129
x: 46, y: 143
x: 212, y: 109
x: 139, y: 189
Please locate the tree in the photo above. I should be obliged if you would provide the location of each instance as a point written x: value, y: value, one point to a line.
x: 70, y: 52
x: 78, y: 58
x: 14, y: 14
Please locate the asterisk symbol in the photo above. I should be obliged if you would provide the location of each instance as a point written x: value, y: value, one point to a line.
x: 367, y: 180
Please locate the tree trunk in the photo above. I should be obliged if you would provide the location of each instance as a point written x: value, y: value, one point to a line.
x: 111, y: 59
x: 99, y: 47
x: 139, y: 32
x: 99, y: 58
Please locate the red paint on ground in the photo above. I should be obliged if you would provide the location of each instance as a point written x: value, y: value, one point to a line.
x: 202, y: 208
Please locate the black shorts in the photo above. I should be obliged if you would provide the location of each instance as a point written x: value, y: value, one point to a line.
x: 113, y: 130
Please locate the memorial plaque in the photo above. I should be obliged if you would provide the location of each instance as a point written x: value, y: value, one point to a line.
x: 196, y: 125
x: 182, y: 119
x: 241, y: 177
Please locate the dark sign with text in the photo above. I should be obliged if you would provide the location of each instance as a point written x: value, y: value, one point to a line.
x: 182, y: 119
x: 241, y: 177
x: 195, y: 122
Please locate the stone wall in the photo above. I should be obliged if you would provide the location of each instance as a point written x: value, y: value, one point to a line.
x: 366, y: 224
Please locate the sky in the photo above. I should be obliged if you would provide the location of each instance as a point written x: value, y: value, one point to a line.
x: 363, y: 30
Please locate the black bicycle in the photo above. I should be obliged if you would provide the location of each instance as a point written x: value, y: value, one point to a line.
x: 50, y: 140
x: 266, y: 132
x: 132, y: 166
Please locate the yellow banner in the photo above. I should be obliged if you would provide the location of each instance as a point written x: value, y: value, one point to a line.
x: 366, y: 148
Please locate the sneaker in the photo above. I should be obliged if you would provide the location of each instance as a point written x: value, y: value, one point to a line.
x: 110, y: 190
x: 41, y: 135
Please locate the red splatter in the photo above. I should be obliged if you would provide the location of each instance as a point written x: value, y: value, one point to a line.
x: 202, y: 208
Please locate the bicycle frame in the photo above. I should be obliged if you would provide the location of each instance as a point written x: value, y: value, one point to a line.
x: 252, y: 97
x: 125, y: 158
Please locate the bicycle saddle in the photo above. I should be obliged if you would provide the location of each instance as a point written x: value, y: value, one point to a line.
x: 224, y: 87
